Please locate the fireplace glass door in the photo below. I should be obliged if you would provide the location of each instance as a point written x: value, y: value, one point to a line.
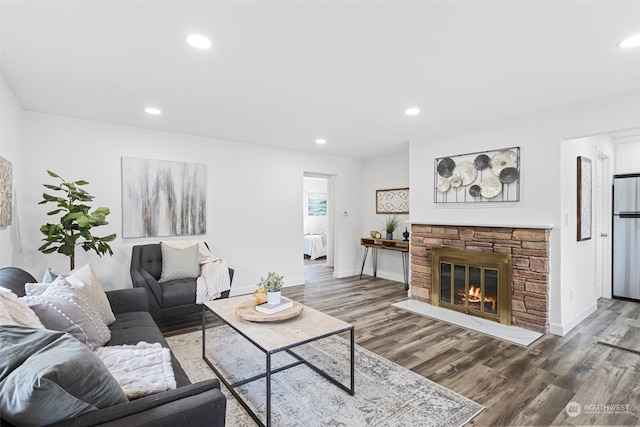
x: 473, y: 283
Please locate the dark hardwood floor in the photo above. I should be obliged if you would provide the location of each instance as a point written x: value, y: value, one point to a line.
x: 518, y: 386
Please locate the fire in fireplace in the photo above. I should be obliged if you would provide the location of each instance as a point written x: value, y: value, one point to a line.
x: 476, y: 283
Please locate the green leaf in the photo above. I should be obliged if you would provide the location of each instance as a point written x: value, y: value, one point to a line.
x: 53, y: 174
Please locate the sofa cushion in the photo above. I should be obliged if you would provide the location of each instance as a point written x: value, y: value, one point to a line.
x: 66, y: 309
x: 179, y: 263
x: 48, y: 376
x: 133, y: 327
x: 83, y: 279
x: 13, y: 311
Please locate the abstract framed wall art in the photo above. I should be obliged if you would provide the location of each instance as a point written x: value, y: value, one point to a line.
x: 481, y: 177
x: 584, y: 198
x: 6, y: 192
x: 163, y: 198
x: 392, y: 201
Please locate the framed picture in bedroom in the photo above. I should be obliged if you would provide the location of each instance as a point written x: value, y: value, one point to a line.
x: 316, y: 204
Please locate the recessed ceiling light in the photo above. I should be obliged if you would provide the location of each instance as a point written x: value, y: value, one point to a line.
x: 152, y: 110
x: 199, y: 41
x: 412, y: 111
x: 632, y: 41
x: 321, y: 141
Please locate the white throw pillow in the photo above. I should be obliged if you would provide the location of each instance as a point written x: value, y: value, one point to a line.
x: 179, y: 263
x: 66, y: 309
x: 16, y: 312
x: 203, y: 251
x: 85, y: 280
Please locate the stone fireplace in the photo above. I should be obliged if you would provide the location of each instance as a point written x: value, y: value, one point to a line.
x: 472, y: 261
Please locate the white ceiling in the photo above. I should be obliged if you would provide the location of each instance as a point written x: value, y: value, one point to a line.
x: 286, y: 73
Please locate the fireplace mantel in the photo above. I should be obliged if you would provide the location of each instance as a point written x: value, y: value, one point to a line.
x: 451, y: 223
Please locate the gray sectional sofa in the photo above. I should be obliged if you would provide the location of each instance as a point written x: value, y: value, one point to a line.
x: 197, y: 404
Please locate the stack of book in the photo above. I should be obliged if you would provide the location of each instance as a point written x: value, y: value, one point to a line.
x: 275, y: 308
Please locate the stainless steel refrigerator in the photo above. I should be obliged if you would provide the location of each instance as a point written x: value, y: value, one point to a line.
x: 626, y: 236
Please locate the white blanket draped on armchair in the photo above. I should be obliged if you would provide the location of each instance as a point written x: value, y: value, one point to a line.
x: 213, y: 280
x: 214, y: 273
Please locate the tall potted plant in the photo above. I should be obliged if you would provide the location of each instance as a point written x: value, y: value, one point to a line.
x: 75, y: 223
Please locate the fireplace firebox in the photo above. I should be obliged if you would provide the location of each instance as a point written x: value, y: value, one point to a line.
x: 472, y: 282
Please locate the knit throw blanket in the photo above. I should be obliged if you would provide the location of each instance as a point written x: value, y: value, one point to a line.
x: 140, y: 369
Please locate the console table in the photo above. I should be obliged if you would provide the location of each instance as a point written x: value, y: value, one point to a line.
x: 391, y: 245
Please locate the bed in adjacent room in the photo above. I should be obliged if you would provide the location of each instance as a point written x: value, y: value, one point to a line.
x: 315, y: 245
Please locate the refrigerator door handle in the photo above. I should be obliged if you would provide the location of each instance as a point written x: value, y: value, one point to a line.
x: 629, y: 214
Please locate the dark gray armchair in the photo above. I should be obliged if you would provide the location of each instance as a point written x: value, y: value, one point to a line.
x: 168, y: 299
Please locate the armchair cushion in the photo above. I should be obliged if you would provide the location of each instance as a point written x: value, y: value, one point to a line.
x: 179, y: 263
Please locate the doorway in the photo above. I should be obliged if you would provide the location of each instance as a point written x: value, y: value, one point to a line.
x: 603, y: 225
x: 317, y: 220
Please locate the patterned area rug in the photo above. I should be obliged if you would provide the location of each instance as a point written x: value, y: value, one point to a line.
x: 386, y: 394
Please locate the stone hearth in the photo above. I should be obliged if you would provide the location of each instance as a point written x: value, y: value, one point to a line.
x: 529, y: 250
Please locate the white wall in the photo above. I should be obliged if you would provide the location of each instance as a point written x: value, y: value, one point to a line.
x: 381, y: 173
x: 10, y: 137
x: 254, y: 214
x: 539, y: 136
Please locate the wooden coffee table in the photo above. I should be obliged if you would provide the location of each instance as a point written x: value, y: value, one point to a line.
x: 274, y: 337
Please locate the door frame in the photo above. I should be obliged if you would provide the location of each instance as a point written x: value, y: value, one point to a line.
x: 603, y: 250
x: 330, y: 214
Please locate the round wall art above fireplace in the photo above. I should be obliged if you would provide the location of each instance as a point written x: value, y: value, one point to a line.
x: 490, y: 187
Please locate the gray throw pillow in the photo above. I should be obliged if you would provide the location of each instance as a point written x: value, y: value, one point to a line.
x: 66, y: 309
x: 179, y: 263
x: 48, y: 376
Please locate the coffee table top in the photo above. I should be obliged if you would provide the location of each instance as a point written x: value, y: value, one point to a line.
x: 276, y: 336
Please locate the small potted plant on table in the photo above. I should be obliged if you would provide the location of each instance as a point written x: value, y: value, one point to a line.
x: 272, y: 284
x: 390, y: 225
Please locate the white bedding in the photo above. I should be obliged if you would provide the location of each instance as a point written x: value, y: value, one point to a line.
x: 315, y: 245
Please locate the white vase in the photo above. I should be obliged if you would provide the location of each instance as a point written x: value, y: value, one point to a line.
x: 273, y: 297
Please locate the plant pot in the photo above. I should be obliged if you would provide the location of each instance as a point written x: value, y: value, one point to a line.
x: 274, y: 297
x: 389, y: 236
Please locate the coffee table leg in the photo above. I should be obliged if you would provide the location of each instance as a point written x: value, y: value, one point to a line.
x: 353, y: 376
x: 268, y: 378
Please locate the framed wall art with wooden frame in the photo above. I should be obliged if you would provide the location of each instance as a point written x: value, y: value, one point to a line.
x: 392, y: 201
x: 584, y: 198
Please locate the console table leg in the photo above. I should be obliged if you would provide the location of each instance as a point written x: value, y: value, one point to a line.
x: 374, y: 259
x: 364, y: 259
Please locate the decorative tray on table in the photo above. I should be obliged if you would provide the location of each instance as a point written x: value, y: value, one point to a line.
x: 247, y: 311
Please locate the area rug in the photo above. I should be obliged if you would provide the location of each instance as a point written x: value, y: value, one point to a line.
x: 386, y: 394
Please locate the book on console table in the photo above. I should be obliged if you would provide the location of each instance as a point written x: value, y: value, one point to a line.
x: 275, y: 308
